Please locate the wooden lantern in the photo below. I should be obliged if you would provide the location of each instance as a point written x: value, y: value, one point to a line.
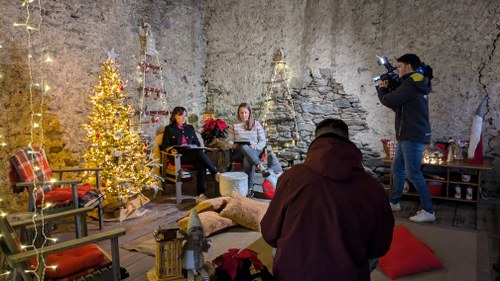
x: 168, y: 261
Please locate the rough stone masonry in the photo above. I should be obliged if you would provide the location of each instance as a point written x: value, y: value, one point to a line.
x: 219, y: 52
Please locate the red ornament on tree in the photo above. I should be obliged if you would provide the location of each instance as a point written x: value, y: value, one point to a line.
x: 98, y: 135
x: 122, y: 88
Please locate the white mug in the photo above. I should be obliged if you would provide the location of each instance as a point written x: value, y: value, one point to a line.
x: 468, y: 196
x: 466, y: 178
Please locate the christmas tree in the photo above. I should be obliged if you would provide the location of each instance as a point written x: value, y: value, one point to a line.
x: 115, y: 144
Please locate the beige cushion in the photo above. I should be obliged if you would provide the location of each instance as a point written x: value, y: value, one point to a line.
x: 214, y: 204
x: 211, y: 221
x: 244, y: 211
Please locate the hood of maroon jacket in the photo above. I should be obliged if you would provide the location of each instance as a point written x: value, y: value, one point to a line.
x: 334, y: 158
x: 328, y: 216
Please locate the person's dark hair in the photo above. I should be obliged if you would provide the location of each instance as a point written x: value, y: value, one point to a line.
x: 335, y: 126
x: 178, y: 110
x: 411, y: 59
x: 251, y: 121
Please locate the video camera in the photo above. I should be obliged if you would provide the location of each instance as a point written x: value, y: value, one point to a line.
x: 389, y: 74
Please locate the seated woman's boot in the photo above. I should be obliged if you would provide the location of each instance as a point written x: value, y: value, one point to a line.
x: 263, y: 170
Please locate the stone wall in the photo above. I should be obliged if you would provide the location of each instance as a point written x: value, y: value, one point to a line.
x: 458, y: 39
x: 77, y: 36
x: 220, y: 52
x: 320, y: 98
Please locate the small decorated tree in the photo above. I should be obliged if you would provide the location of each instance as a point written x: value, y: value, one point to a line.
x: 115, y: 143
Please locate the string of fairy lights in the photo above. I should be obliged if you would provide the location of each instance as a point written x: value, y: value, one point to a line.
x: 35, y: 90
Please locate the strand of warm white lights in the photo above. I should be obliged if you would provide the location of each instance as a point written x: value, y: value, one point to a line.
x: 144, y: 65
x: 279, y: 80
x: 35, y: 125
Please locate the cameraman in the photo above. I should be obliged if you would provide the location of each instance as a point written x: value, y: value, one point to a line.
x: 411, y: 104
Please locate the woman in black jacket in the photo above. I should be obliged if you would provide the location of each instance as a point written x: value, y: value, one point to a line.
x: 178, y: 133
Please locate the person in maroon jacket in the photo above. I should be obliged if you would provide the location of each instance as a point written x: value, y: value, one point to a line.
x: 328, y: 216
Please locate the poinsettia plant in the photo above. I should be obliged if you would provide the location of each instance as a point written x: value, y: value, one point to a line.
x: 213, y: 129
x: 235, y: 265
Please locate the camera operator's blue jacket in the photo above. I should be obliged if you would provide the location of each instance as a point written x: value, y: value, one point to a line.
x: 410, y: 101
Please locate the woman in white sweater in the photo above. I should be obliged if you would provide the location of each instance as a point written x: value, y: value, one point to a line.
x: 248, y: 140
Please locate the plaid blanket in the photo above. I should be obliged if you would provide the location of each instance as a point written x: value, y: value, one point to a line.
x: 28, y: 165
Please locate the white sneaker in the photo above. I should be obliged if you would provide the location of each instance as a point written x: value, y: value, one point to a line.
x: 395, y: 207
x: 423, y: 216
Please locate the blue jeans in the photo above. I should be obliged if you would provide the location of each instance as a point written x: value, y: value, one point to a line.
x: 407, y: 161
x: 250, y: 158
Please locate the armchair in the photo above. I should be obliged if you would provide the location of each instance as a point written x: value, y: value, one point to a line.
x: 29, y: 169
x: 172, y: 171
x: 69, y: 260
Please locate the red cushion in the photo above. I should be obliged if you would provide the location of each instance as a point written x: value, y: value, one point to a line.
x: 183, y: 166
x: 73, y: 260
x: 268, y: 189
x: 407, y: 255
x: 64, y: 195
x: 236, y: 166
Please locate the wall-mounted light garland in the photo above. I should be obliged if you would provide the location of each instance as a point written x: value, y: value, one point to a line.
x: 36, y: 114
x: 278, y: 88
x: 152, y: 85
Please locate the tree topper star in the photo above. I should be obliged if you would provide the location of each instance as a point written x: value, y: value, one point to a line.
x: 111, y: 54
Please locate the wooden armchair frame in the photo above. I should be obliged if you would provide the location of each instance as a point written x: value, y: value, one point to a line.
x: 73, y: 183
x: 98, y: 203
x: 19, y: 261
x: 172, y: 176
x: 175, y: 175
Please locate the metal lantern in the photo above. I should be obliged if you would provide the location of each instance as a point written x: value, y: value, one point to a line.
x: 208, y: 114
